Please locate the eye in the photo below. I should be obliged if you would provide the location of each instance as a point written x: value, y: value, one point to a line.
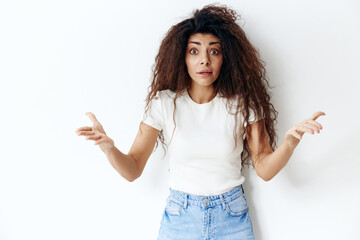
x: 193, y: 51
x: 215, y: 51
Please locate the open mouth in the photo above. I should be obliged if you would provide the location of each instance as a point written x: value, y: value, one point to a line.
x: 205, y: 73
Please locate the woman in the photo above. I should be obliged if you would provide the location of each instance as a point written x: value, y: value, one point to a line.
x: 209, y: 104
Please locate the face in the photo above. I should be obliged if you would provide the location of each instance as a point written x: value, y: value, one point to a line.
x: 203, y: 58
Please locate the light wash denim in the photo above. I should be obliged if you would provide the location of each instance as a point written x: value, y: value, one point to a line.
x: 219, y: 217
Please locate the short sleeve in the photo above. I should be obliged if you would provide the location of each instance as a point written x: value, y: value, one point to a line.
x: 154, y: 116
x: 253, y: 117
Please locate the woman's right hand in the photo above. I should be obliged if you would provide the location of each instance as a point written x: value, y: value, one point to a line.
x: 96, y: 133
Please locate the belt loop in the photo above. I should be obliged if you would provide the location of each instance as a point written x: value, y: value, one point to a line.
x: 242, y: 189
x: 186, y: 199
x: 223, y: 202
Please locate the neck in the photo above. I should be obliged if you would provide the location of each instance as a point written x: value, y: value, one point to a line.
x: 201, y: 94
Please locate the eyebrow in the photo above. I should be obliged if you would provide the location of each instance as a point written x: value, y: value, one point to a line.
x: 211, y: 43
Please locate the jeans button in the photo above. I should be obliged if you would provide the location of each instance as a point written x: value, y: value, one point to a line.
x: 206, y: 201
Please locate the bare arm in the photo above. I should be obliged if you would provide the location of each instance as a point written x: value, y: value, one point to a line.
x: 124, y: 164
x: 269, y: 163
x: 130, y: 166
x: 143, y: 146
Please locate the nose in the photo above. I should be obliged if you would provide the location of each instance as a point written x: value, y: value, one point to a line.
x: 205, y: 59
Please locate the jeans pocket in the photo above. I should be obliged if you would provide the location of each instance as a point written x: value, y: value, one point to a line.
x: 237, y: 207
x: 172, y: 207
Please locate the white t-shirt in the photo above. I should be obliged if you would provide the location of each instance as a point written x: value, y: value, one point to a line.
x: 202, y: 158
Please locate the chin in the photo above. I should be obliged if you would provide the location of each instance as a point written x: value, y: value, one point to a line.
x: 203, y: 83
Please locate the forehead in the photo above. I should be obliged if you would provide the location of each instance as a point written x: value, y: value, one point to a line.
x: 203, y: 37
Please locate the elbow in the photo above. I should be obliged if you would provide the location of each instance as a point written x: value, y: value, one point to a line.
x: 127, y: 177
x: 266, y: 179
x: 132, y: 179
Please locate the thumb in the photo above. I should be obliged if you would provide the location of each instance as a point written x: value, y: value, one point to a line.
x: 92, y: 117
x: 316, y: 115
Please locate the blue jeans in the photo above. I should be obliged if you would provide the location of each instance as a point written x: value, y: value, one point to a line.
x: 218, y: 217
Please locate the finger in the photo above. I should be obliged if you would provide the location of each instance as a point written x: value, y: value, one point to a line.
x: 92, y: 117
x: 295, y: 134
x: 100, y: 141
x: 94, y: 137
x: 83, y: 129
x: 315, y: 123
x: 316, y: 115
x: 304, y: 129
x: 313, y: 127
x: 85, y: 133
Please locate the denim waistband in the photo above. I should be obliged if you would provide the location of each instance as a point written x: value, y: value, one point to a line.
x: 185, y: 199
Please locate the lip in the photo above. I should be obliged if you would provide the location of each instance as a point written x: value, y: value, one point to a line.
x: 205, y: 74
x: 208, y: 71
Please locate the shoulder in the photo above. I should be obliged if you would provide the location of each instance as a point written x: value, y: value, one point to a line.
x: 232, y: 103
x: 167, y: 93
x: 165, y: 96
x: 163, y: 99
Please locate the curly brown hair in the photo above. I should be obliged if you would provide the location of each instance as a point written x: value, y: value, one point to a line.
x: 242, y: 73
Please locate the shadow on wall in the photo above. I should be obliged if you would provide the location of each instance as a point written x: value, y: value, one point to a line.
x: 327, y: 167
x: 337, y: 166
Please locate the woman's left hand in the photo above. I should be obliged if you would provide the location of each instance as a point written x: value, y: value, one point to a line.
x: 309, y: 125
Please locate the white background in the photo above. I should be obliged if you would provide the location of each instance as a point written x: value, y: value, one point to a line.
x: 60, y: 59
